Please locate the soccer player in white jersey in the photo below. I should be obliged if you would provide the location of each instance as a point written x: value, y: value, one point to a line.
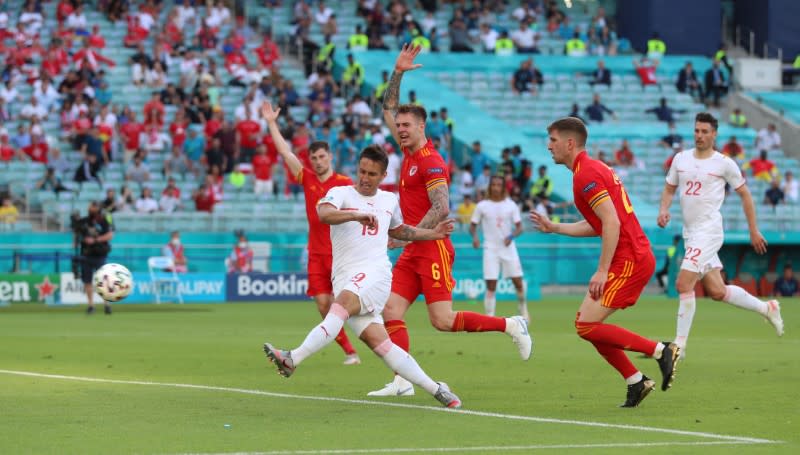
x: 362, y: 219
x: 700, y: 174
x: 500, y: 221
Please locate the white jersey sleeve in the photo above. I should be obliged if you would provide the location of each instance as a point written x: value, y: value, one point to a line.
x: 397, y: 215
x: 335, y: 197
x: 672, y: 174
x: 733, y: 175
x: 477, y: 213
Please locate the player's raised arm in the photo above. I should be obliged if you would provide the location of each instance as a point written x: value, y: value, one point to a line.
x: 756, y: 238
x: 270, y: 115
x: 391, y: 97
x: 666, y: 201
x: 410, y: 233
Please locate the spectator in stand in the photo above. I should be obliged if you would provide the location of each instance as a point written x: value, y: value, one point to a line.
x: 262, y: 171
x: 597, y: 109
x: 623, y: 156
x: 174, y: 250
x: 663, y: 112
x: 575, y: 46
x: 737, y: 119
x: 50, y: 182
x: 170, y: 200
x: 488, y: 37
x: 156, y: 77
x: 601, y: 75
x: 46, y: 94
x: 786, y: 285
x: 791, y: 188
x: 466, y: 183
x: 154, y: 109
x: 218, y: 15
x: 646, y: 69
x: 733, y: 150
x: 178, y: 163
x: 676, y: 148
x: 76, y: 21
x: 63, y: 10
x: 525, y: 39
x: 248, y: 134
x: 146, y: 203
x: 672, y: 137
x: 459, y: 36
x: 774, y: 194
x: 88, y: 170
x: 464, y: 210
x: 543, y: 186
x: 482, y: 181
x: 715, y: 83
x: 203, y: 199
x: 478, y: 159
x: 125, y: 200
x: 7, y: 151
x: 8, y: 211
x: 576, y: 112
x: 38, y: 150
x: 768, y: 139
x: 526, y: 78
x: 139, y: 172
x: 241, y: 258
x: 268, y: 53
x: 33, y: 111
x: 130, y: 133
x: 187, y: 14
x: 762, y: 168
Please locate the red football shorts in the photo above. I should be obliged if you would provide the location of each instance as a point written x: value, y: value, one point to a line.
x: 427, y: 271
x: 627, y: 279
x: 320, y: 268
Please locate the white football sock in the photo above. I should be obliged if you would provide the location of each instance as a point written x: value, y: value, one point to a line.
x: 321, y: 335
x: 686, y: 309
x: 489, y: 302
x: 522, y: 303
x: 739, y: 297
x: 633, y: 379
x: 401, y: 362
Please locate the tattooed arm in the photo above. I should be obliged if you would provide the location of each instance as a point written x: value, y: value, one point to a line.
x: 440, y: 207
x: 391, y: 97
x: 410, y: 233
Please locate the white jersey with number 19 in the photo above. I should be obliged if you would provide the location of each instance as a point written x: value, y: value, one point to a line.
x: 701, y: 185
x: 356, y: 246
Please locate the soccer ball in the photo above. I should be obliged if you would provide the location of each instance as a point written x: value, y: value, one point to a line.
x: 113, y: 282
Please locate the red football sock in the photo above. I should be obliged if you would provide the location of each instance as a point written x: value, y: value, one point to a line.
x: 467, y: 321
x: 344, y: 342
x: 617, y: 358
x: 398, y: 333
x: 615, y: 337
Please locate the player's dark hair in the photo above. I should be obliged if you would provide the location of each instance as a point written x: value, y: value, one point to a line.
x: 705, y: 117
x: 375, y: 153
x: 413, y: 109
x: 504, y: 191
x: 316, y: 145
x: 571, y: 125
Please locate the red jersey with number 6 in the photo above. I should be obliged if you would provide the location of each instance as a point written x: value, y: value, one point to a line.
x: 593, y: 183
x: 319, y: 233
x: 421, y: 171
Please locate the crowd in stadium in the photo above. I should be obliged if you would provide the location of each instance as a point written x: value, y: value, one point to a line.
x: 184, y: 62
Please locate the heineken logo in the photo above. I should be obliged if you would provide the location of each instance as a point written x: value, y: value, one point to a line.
x: 26, y: 288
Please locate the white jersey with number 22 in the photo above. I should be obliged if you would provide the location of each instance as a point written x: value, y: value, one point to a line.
x: 701, y: 186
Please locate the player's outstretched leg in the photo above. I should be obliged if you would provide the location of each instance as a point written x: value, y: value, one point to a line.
x: 405, y: 366
x: 317, y: 338
x: 739, y: 297
x: 516, y: 327
x: 668, y: 363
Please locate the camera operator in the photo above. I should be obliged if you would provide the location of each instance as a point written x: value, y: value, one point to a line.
x: 94, y: 233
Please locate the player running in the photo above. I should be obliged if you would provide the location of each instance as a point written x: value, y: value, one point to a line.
x: 500, y: 222
x: 701, y: 173
x: 425, y: 267
x: 362, y: 219
x: 626, y: 260
x: 316, y: 184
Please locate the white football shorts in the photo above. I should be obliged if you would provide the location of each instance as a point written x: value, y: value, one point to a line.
x: 505, y: 260
x: 372, y: 288
x: 701, y: 253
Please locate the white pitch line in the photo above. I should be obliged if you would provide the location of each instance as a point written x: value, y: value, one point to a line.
x: 476, y: 449
x: 739, y: 439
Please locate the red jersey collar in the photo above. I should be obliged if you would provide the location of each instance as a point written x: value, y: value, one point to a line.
x: 428, y: 144
x: 578, y: 159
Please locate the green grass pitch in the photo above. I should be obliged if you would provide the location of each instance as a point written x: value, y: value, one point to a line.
x: 174, y: 379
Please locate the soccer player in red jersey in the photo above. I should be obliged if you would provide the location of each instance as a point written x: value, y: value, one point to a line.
x: 626, y: 259
x: 316, y: 184
x: 425, y: 267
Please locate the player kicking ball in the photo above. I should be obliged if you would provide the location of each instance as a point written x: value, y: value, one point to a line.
x: 701, y: 174
x: 624, y: 268
x: 362, y: 219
